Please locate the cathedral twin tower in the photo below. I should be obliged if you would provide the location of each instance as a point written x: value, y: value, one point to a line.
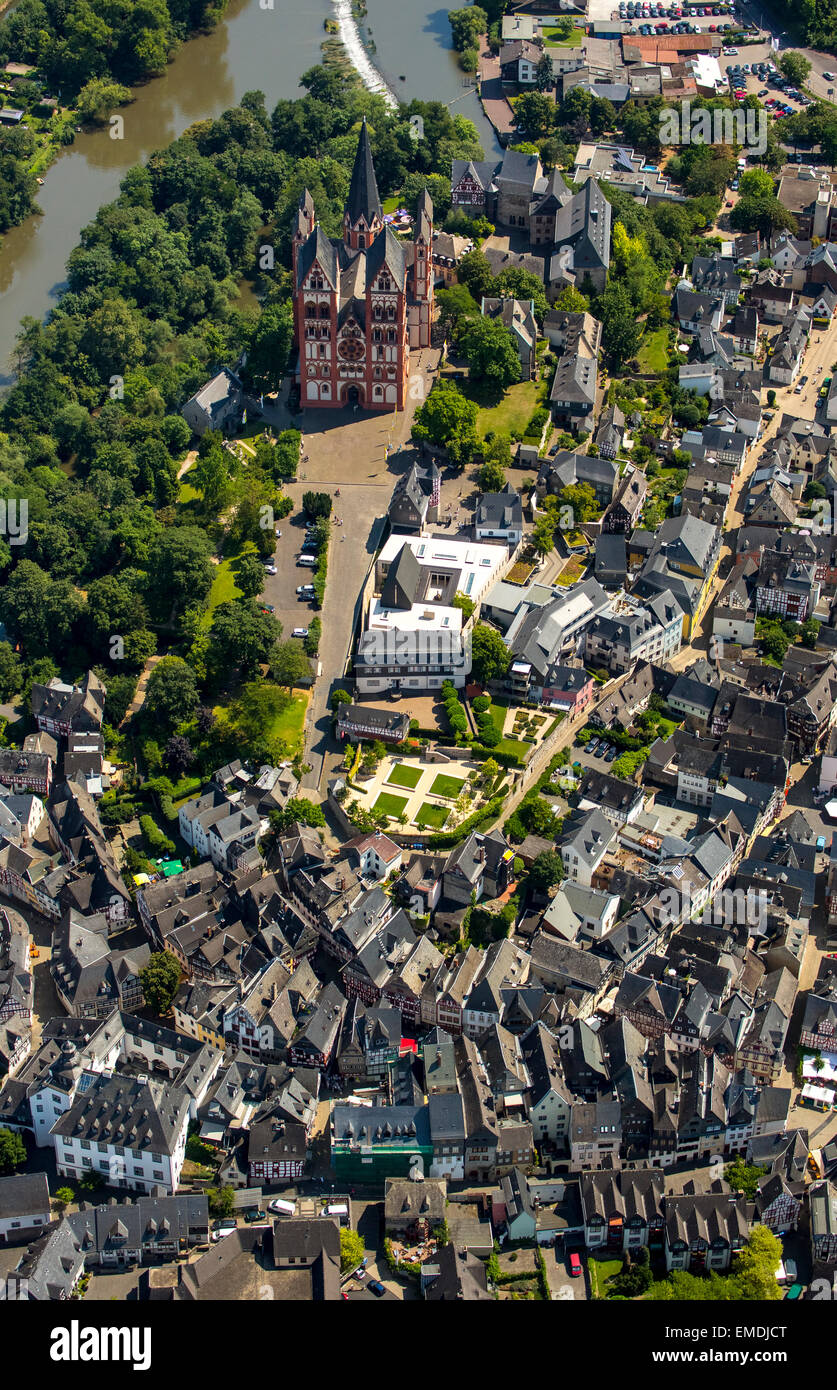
x: 362, y: 303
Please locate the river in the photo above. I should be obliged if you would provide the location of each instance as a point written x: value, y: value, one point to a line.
x: 252, y: 48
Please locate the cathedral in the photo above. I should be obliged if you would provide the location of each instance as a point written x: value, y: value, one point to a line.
x: 360, y: 303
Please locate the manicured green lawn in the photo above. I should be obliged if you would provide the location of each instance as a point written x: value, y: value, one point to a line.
x: 498, y: 714
x: 186, y: 492
x: 600, y: 1271
x: 432, y: 816
x: 288, y: 725
x: 445, y: 785
x: 653, y: 351
x: 505, y: 411
x: 551, y: 39
x: 391, y: 805
x: 403, y: 775
x: 224, y: 587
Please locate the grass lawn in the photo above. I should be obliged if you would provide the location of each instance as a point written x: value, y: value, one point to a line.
x: 503, y: 411
x: 498, y: 714
x: 552, y: 39
x: 447, y: 786
x: 600, y: 1271
x: 653, y: 351
x: 287, y: 726
x: 186, y: 492
x: 391, y: 805
x: 224, y: 587
x: 402, y: 775
x: 432, y: 816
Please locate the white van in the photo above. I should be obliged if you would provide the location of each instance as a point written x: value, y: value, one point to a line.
x: 309, y: 560
x: 280, y: 1208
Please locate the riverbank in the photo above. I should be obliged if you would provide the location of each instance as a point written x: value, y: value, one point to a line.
x: 251, y: 49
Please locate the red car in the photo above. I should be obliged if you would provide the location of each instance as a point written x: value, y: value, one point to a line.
x: 575, y: 1265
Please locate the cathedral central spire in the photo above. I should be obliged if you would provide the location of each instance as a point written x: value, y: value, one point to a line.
x: 363, y: 207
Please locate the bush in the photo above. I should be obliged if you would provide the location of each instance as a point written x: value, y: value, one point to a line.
x: 156, y: 842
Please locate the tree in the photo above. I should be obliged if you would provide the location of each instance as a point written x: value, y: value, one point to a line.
x: 475, y: 273
x: 297, y: 809
x: 12, y: 1150
x: 794, y: 66
x: 267, y: 354
x: 179, y: 570
x: 241, y: 636
x: 620, y: 331
x: 171, y: 695
x: 98, y: 98
x: 160, y: 981
x: 64, y: 1195
x: 582, y: 499
x: 221, y: 1200
x: 572, y: 301
x: 744, y: 1177
x: 542, y: 538
x: 11, y: 672
x: 762, y: 214
x: 352, y: 1249
x: 456, y: 306
x: 211, y: 471
x: 754, y: 1270
x: 250, y: 575
x: 339, y: 697
x: 490, y: 657
x: 490, y: 351
x: 755, y: 183
x: 535, y: 114
x: 178, y: 754
x: 547, y: 870
x: 449, y: 419
x: 465, y: 605
x: 810, y: 633
x: 316, y: 504
x: 544, y: 76
x: 491, y: 477
x: 289, y: 665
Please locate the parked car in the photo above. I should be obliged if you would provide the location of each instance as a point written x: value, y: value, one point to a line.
x: 267, y: 608
x: 377, y: 1288
x: 575, y: 1265
x: 611, y: 754
x: 270, y: 569
x: 224, y: 1227
x: 300, y: 632
x: 252, y: 1215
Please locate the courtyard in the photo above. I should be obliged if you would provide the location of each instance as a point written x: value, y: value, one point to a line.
x: 427, y: 795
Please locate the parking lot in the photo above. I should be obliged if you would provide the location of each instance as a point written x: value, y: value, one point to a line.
x: 280, y: 588
x: 656, y: 18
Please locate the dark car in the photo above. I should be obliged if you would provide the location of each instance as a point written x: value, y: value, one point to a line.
x: 377, y: 1287
x: 255, y: 1215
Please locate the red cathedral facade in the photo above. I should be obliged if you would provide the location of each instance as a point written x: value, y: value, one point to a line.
x: 362, y: 303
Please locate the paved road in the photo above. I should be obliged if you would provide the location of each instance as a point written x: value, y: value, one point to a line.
x: 361, y: 456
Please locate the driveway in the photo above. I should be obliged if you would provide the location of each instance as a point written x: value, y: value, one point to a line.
x: 361, y: 455
x: 563, y: 1288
